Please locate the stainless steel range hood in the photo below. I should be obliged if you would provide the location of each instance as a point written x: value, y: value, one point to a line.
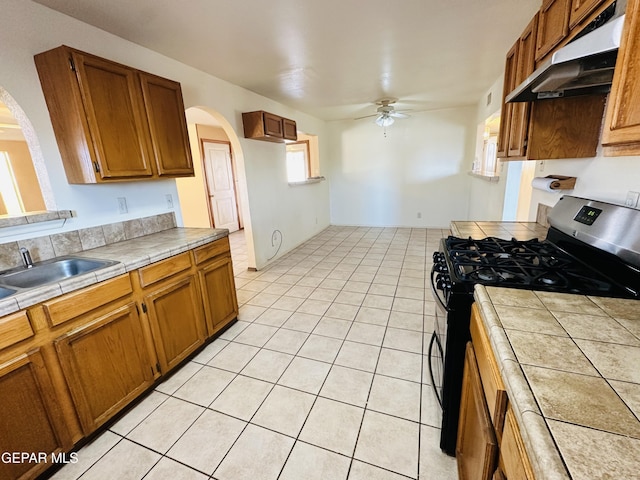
x: 583, y: 66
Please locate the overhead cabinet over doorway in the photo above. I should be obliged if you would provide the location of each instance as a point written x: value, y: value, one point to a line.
x: 113, y: 122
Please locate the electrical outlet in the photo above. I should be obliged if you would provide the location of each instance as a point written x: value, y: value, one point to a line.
x: 419, y: 214
x: 632, y: 199
x: 122, y: 205
x: 169, y: 198
x: 541, y: 166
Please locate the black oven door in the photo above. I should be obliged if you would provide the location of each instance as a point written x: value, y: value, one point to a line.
x: 438, y: 341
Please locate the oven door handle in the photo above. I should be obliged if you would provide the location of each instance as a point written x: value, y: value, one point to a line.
x: 434, y: 340
x: 440, y: 300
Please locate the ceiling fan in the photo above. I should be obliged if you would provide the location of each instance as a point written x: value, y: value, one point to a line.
x: 386, y: 113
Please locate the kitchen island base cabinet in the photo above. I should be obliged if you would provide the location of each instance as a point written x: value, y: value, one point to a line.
x: 514, y: 463
x: 29, y: 418
x: 176, y: 319
x: 477, y: 447
x: 106, y: 364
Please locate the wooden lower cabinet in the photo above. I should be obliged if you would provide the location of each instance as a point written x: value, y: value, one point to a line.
x: 218, y: 293
x: 477, y: 447
x: 177, y: 324
x: 30, y: 421
x: 106, y: 364
x: 514, y: 462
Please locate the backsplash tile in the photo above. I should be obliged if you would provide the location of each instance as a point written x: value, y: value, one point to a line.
x: 67, y: 243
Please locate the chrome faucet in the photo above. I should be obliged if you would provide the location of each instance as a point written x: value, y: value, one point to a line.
x: 26, y: 258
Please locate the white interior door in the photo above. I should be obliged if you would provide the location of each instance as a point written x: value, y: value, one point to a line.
x: 219, y: 175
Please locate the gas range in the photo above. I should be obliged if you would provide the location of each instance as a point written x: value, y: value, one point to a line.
x: 592, y: 248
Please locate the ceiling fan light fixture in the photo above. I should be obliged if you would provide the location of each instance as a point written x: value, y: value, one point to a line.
x: 384, y: 120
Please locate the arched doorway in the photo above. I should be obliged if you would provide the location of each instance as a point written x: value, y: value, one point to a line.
x: 218, y: 191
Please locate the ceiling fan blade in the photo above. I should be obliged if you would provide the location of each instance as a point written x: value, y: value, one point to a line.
x: 399, y: 115
x: 366, y: 116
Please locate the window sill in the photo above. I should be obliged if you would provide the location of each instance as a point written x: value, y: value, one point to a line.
x: 307, y: 181
x: 486, y: 178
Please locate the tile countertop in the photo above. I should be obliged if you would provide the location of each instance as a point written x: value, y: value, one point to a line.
x: 507, y: 230
x: 570, y: 367
x: 131, y: 254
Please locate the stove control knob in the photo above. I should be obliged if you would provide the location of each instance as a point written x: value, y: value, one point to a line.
x: 441, y: 267
x: 443, y: 281
x: 437, y: 256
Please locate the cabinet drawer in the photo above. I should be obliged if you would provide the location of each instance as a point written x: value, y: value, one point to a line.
x: 72, y: 305
x: 492, y: 383
x: 211, y: 250
x: 14, y: 328
x: 164, y: 269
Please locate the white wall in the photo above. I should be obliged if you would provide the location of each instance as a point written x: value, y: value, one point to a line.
x: 419, y: 168
x: 486, y: 199
x: 27, y: 28
x: 601, y: 178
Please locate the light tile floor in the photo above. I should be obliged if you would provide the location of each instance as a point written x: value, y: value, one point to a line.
x: 322, y: 377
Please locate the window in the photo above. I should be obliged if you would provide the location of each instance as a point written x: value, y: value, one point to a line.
x: 298, y: 166
x: 485, y: 163
x: 9, y: 193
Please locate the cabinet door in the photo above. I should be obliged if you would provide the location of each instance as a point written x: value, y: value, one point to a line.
x: 290, y: 130
x: 272, y: 125
x: 476, y: 448
x: 513, y: 456
x: 106, y: 365
x: 580, y: 9
x: 29, y: 407
x: 218, y: 294
x: 622, y: 121
x: 115, y: 114
x: 510, y: 70
x: 165, y: 112
x: 519, y: 125
x: 177, y: 323
x: 553, y: 25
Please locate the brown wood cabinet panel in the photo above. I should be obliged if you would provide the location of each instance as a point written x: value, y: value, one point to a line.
x: 67, y: 307
x: 177, y: 323
x: 289, y: 129
x: 164, y: 269
x: 510, y: 70
x: 565, y: 127
x: 168, y: 127
x: 29, y: 418
x: 211, y: 250
x: 113, y: 122
x: 111, y: 98
x: 14, y: 328
x: 106, y: 364
x: 261, y: 125
x: 553, y: 25
x: 513, y: 456
x: 581, y: 9
x: 622, y: 122
x: 492, y: 384
x: 519, y: 125
x: 477, y: 448
x: 218, y: 294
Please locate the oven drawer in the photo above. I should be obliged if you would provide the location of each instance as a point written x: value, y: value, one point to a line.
x: 492, y: 384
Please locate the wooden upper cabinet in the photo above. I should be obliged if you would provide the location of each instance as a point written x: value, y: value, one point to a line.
x: 553, y: 25
x: 525, y: 64
x: 168, y: 127
x: 580, y: 9
x: 510, y: 70
x: 261, y: 125
x: 113, y: 122
x: 621, y: 134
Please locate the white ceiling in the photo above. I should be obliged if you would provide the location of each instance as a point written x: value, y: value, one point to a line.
x: 329, y: 58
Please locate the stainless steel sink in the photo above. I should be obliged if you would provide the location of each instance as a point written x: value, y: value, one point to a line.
x: 5, y: 292
x: 50, y: 271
